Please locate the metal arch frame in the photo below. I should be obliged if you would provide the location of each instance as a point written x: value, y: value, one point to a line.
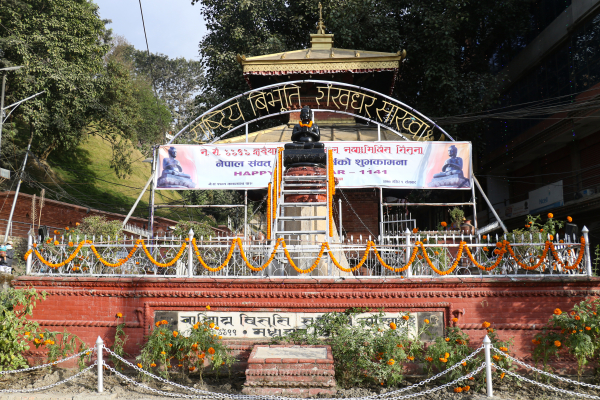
x: 310, y: 81
x: 316, y: 110
x: 473, y: 178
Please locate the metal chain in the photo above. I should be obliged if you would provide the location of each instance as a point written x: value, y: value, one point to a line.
x: 47, y: 365
x: 560, y: 378
x: 128, y: 379
x: 589, y: 396
x: 250, y: 397
x: 467, y: 358
x: 49, y: 386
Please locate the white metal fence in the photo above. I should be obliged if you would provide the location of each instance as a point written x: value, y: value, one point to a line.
x: 411, y: 255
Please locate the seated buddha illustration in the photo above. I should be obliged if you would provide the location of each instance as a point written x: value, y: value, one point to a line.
x: 452, y: 172
x: 172, y: 173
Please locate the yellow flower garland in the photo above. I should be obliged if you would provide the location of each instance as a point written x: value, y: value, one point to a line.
x: 304, y: 271
x: 357, y: 266
x: 118, y: 263
x: 483, y: 267
x: 220, y: 267
x: 269, y: 192
x: 163, y: 265
x: 525, y: 266
x: 454, y: 265
x: 266, y: 264
x: 400, y: 269
x: 331, y: 185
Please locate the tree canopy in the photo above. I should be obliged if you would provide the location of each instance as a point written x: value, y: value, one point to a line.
x: 452, y: 45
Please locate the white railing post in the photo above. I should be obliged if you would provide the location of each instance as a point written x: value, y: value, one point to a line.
x: 190, y: 254
x: 99, y: 348
x: 487, y: 343
x: 30, y: 258
x: 588, y: 258
x: 407, y: 238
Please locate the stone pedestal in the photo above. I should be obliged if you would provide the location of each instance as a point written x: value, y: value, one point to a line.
x: 298, y: 371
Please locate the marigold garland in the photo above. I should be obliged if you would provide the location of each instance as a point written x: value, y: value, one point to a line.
x: 220, y: 267
x: 400, y: 269
x: 357, y: 266
x: 304, y: 271
x: 61, y: 264
x: 269, y: 212
x: 163, y: 265
x: 525, y: 266
x: 331, y: 189
x: 483, y: 267
x: 118, y: 263
x: 579, y: 258
x: 454, y: 265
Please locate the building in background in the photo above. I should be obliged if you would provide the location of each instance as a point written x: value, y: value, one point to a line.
x: 543, y: 155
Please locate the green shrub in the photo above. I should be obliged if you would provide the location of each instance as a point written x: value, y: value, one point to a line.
x: 367, y: 351
x: 169, y: 351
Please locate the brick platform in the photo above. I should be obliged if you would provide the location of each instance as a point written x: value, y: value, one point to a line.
x: 281, y: 370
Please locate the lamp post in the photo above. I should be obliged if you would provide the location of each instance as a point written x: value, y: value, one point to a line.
x: 2, y: 96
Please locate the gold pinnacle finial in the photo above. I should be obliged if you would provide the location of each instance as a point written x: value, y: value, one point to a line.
x: 321, y: 26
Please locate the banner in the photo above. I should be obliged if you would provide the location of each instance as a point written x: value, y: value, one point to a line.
x: 415, y: 165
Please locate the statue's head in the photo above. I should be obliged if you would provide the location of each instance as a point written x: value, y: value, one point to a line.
x: 452, y: 151
x: 306, y: 114
x: 172, y: 152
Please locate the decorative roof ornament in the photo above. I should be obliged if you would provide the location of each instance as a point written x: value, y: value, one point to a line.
x: 321, y: 25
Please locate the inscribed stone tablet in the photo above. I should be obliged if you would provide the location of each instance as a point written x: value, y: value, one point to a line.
x: 291, y: 352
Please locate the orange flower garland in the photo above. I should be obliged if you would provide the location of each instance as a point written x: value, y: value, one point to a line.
x: 400, y: 269
x: 483, y: 267
x: 331, y: 189
x: 454, y: 265
x: 304, y: 271
x: 163, y: 265
x: 61, y: 264
x: 220, y: 267
x: 579, y: 258
x: 269, y: 212
x: 357, y: 266
x: 525, y: 266
x: 118, y: 263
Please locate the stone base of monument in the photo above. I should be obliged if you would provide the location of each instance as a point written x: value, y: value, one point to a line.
x: 176, y: 182
x: 297, y: 371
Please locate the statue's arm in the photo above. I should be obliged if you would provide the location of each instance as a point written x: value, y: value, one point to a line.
x: 295, y: 132
x: 317, y: 133
x: 459, y: 162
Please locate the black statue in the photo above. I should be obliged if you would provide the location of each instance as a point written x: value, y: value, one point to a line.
x: 172, y: 174
x: 306, y: 149
x: 452, y: 172
x: 453, y: 165
x: 306, y: 131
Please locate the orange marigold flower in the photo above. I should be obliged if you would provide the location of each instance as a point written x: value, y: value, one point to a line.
x: 153, y: 365
x: 550, y: 237
x: 502, y: 375
x: 119, y: 315
x: 56, y: 243
x: 557, y: 311
x: 557, y: 343
x: 569, y: 219
x: 170, y: 345
x: 573, y: 331
x: 164, y: 322
x: 536, y: 342
x: 391, y: 361
x: 211, y: 325
x: 504, y: 349
x: 447, y: 339
x: 139, y: 365
x: 485, y: 324
x: 542, y: 230
x: 572, y: 312
x: 484, y: 237
x: 411, y: 358
x: 405, y: 317
x: 588, y: 328
x: 426, y: 321
x: 457, y: 390
x: 70, y: 244
x: 163, y: 353
x: 464, y: 363
x: 471, y: 378
x: 443, y: 359
x: 577, y: 318
x: 455, y: 319
x: 208, y: 307
x: 444, y: 224
x: 495, y: 357
x: 399, y: 345
x: 466, y: 388
x: 157, y: 324
x: 486, y: 249
x: 429, y: 359
x: 415, y: 230
x: 175, y: 333
x: 180, y: 365
x: 77, y: 224
x: 393, y: 326
x: 446, y: 355
x: 211, y: 350
x: 490, y: 330
x: 550, y: 215
x: 220, y: 337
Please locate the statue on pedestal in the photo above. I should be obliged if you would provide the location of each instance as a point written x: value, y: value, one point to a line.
x: 172, y: 173
x: 452, y: 172
x: 306, y: 148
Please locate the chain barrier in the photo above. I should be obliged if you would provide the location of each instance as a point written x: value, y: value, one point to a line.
x: 49, y: 364
x: 589, y: 396
x: 52, y: 385
x: 250, y: 397
x: 560, y: 378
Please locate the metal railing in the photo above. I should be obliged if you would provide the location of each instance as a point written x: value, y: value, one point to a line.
x: 409, y: 256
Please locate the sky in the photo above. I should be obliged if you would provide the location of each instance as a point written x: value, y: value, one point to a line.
x: 174, y: 27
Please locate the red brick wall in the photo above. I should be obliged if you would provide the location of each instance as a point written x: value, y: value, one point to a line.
x: 516, y: 309
x: 57, y: 214
x: 365, y: 203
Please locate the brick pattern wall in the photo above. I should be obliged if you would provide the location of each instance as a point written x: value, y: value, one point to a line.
x: 362, y: 218
x: 57, y: 214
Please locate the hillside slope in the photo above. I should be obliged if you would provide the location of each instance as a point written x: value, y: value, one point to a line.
x: 84, y: 177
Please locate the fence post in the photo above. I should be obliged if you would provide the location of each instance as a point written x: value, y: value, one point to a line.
x: 487, y: 343
x: 30, y: 258
x: 588, y: 258
x: 190, y: 254
x: 99, y: 348
x: 407, y: 238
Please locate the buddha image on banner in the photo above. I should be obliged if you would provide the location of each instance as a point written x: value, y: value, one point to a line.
x: 393, y: 164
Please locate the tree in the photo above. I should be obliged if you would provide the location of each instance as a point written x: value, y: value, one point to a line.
x: 61, y: 44
x: 452, y: 45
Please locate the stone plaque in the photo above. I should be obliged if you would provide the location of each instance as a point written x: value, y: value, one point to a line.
x: 268, y: 324
x: 292, y: 352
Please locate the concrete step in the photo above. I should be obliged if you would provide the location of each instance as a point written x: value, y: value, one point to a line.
x: 315, y: 204
x: 305, y: 218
